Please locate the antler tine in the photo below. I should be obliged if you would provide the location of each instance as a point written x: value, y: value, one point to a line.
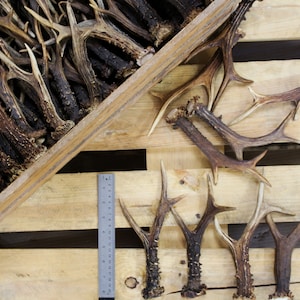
x: 240, y: 248
x: 82, y: 60
x: 260, y: 99
x: 63, y: 31
x: 116, y: 13
x: 204, y: 78
x: 103, y: 29
x: 178, y: 117
x: 236, y: 141
x: 226, y: 41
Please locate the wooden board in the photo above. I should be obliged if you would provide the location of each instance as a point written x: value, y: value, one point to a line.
x: 64, y: 203
x: 72, y: 274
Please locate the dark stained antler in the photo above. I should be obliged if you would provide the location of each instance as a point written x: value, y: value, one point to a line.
x: 35, y: 80
x: 240, y: 248
x: 158, y: 30
x: 24, y: 145
x: 122, y: 67
x: 188, y: 9
x: 82, y: 61
x: 103, y: 29
x: 178, y: 117
x: 283, y: 258
x: 193, y: 238
x: 12, y: 106
x: 259, y: 100
x: 236, y: 141
x: 63, y: 87
x: 150, y: 239
x: 115, y: 12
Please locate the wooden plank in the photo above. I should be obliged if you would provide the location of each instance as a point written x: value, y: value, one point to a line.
x: 68, y: 201
x: 272, y: 20
x: 187, y: 157
x: 72, y: 273
x: 48, y: 274
x: 128, y: 93
x: 269, y: 77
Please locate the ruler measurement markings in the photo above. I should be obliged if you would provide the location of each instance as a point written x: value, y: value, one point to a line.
x: 106, y: 236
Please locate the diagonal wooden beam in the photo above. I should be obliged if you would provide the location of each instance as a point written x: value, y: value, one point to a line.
x: 170, y: 56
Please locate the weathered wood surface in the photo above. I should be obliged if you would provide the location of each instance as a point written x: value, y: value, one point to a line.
x: 65, y: 203
x: 72, y: 273
x: 273, y: 20
x: 127, y: 94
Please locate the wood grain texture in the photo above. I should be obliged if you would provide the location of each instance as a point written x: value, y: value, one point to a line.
x: 64, y: 203
x: 272, y: 20
x: 72, y: 274
x: 127, y: 94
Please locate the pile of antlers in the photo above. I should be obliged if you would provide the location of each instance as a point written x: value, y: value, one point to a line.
x: 60, y: 59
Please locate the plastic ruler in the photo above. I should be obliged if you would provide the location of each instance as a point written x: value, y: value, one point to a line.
x: 106, y: 236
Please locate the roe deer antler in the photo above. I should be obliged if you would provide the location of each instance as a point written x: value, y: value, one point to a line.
x: 150, y: 239
x: 283, y: 258
x: 260, y: 100
x: 240, y: 248
x: 238, y: 142
x: 179, y: 118
x: 193, y: 238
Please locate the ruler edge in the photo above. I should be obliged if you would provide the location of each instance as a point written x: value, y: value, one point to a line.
x: 99, y: 176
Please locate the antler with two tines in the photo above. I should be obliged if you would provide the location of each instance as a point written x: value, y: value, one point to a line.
x: 283, y: 258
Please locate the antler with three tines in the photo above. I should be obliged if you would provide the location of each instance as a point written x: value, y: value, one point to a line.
x: 180, y: 118
x: 150, y: 239
x: 194, y: 287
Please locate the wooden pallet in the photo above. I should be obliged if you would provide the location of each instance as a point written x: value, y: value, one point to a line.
x: 69, y: 201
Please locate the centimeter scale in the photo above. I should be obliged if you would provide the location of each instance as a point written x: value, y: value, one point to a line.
x: 106, y: 236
